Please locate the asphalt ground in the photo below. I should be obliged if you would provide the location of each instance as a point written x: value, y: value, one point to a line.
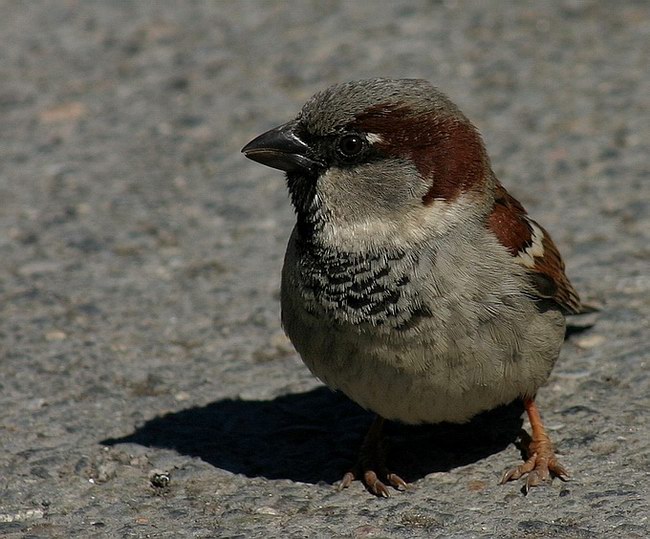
x: 146, y: 387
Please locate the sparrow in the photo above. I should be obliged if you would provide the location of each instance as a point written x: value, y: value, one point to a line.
x: 413, y: 282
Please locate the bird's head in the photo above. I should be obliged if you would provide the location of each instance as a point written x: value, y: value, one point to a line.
x: 380, y: 160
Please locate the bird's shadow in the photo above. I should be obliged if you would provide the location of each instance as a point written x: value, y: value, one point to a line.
x: 314, y: 436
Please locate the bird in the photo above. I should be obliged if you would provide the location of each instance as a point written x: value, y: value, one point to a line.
x: 413, y: 282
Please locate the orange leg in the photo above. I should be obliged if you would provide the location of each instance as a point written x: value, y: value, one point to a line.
x: 371, y: 464
x: 541, y: 462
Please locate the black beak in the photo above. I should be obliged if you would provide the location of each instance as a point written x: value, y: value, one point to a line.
x: 282, y: 148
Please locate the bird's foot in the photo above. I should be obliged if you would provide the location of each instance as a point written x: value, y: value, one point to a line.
x: 371, y: 468
x: 372, y: 482
x: 541, y: 463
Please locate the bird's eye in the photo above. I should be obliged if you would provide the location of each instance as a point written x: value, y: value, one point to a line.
x: 350, y: 146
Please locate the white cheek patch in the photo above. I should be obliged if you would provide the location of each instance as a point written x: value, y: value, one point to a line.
x: 417, y: 226
x: 534, y: 250
x: 373, y: 138
x: 441, y: 215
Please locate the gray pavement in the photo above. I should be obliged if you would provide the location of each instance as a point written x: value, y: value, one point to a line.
x: 146, y: 388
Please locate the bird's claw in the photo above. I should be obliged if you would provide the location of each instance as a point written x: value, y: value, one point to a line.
x: 372, y: 482
x: 540, y: 466
x: 372, y: 457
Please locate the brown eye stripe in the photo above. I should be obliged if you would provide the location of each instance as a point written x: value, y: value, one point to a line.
x: 443, y: 147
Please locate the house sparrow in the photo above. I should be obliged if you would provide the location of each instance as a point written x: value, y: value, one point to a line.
x: 413, y: 282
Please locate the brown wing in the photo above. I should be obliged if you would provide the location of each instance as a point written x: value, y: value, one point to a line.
x: 534, y: 249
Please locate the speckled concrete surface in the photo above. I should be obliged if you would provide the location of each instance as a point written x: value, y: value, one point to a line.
x: 140, y: 257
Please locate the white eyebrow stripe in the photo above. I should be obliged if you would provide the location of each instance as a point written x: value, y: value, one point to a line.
x: 373, y: 138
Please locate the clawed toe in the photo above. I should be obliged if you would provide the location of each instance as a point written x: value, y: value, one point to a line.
x: 373, y: 483
x: 397, y: 482
x: 535, y: 479
x: 518, y: 471
x: 345, y: 481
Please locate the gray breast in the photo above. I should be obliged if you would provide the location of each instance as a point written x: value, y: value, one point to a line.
x: 360, y: 288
